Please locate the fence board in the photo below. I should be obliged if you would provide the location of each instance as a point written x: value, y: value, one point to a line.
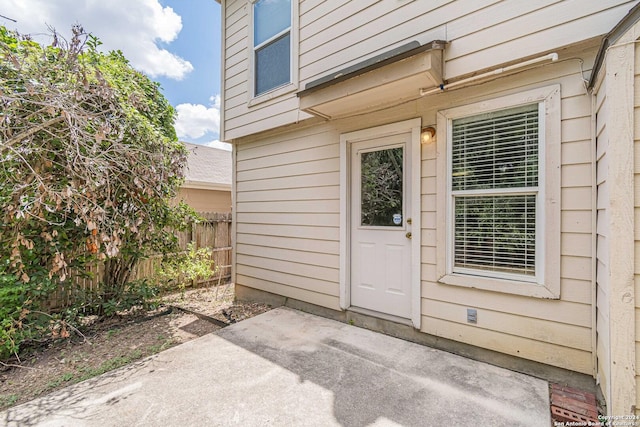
x: 213, y: 232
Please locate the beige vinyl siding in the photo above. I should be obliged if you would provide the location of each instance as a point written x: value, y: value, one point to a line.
x: 353, y: 31
x: 603, y: 341
x: 554, y: 332
x: 537, y: 27
x: 287, y: 215
x: 240, y: 118
x: 235, y: 49
x: 481, y: 33
x: 334, y: 35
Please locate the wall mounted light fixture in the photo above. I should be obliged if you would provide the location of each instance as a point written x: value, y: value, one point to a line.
x: 428, y: 134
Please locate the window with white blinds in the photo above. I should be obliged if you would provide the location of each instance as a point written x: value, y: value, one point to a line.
x: 494, y: 190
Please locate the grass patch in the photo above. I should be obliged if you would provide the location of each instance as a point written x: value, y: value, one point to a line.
x: 110, y: 365
x: 112, y: 332
x: 58, y: 381
x: 84, y: 373
x: 163, y: 345
x: 7, y: 400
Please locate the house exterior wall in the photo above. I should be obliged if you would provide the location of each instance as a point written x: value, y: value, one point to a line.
x: 334, y: 35
x: 237, y: 117
x: 616, y: 108
x: 288, y: 187
x: 287, y: 214
x: 287, y: 218
x: 603, y: 343
x: 206, y: 200
x: 555, y: 332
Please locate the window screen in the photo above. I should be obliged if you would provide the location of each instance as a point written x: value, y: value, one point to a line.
x: 271, y: 44
x: 273, y: 65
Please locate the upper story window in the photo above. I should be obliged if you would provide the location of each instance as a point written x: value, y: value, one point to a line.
x: 271, y: 44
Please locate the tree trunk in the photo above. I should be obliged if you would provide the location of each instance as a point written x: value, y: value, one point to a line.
x: 116, y: 275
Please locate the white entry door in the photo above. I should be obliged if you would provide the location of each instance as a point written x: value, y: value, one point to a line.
x: 380, y: 226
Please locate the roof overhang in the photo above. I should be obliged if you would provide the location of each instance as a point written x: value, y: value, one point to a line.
x: 384, y: 80
x: 630, y: 19
x: 201, y: 185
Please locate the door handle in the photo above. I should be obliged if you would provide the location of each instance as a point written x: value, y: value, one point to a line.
x: 408, y: 235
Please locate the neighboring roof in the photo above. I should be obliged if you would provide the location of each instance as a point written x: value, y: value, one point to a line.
x: 208, y: 168
x: 618, y: 31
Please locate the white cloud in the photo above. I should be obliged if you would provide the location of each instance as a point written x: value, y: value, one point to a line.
x: 133, y: 26
x: 196, y: 120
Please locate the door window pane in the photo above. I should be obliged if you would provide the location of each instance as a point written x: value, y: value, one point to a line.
x: 381, y: 188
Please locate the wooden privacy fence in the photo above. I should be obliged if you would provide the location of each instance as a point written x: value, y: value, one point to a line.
x: 213, y: 232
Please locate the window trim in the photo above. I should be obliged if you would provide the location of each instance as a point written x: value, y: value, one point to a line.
x: 546, y: 283
x: 292, y: 85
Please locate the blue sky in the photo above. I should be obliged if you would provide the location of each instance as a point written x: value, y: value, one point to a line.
x: 199, y: 43
x: 175, y: 42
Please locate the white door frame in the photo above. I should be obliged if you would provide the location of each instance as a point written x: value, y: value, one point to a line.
x: 411, y: 126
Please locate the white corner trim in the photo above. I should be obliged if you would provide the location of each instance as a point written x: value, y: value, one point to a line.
x: 416, y: 213
x: 234, y: 210
x: 619, y: 86
x: 345, y: 241
x: 223, y: 71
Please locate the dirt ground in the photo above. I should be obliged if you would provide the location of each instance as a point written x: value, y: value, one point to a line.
x: 114, y: 343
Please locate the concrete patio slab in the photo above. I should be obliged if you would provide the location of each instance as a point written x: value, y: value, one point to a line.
x: 289, y: 368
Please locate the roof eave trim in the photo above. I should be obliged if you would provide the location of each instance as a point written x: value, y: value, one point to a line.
x: 630, y: 19
x: 202, y: 185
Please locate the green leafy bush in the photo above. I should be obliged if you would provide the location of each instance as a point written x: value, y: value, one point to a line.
x: 89, y: 166
x: 21, y: 312
x: 179, y: 269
